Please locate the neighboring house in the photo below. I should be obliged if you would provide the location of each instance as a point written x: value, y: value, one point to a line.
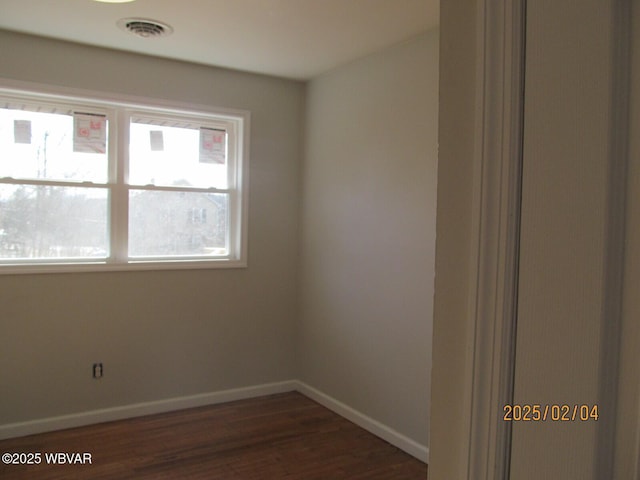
x: 171, y: 224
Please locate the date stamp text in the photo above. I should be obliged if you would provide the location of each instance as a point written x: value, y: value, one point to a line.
x: 550, y: 412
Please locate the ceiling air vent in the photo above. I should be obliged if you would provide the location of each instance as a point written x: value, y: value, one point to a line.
x: 145, y: 28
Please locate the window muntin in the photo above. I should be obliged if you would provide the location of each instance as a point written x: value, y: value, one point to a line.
x: 157, y: 198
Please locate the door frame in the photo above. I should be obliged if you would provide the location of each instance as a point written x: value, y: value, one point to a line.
x: 495, y: 223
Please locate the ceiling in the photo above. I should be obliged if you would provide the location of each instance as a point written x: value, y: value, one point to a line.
x: 297, y: 39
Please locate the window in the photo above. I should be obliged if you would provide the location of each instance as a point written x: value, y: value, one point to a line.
x: 97, y: 184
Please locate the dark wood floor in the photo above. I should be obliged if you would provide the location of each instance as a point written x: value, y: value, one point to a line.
x: 284, y: 436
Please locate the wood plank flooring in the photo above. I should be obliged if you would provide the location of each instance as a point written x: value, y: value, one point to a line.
x: 284, y: 436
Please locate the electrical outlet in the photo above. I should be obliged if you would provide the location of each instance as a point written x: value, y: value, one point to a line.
x: 97, y: 370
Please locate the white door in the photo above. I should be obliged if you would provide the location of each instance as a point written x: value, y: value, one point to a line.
x: 572, y: 233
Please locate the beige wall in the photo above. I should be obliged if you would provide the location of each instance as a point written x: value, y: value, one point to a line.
x: 368, y: 234
x: 159, y: 334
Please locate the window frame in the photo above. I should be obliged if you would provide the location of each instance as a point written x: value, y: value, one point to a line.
x: 119, y: 110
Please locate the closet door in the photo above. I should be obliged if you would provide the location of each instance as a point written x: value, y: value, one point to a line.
x: 570, y: 243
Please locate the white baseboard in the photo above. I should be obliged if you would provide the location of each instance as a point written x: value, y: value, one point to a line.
x: 417, y: 450
x: 395, y: 438
x: 137, y: 410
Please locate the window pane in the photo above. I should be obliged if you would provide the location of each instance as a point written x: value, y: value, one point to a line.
x: 41, y: 222
x: 37, y: 145
x: 172, y: 156
x: 177, y: 224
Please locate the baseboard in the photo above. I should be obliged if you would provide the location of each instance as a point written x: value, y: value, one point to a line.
x: 417, y: 450
x: 395, y: 438
x: 137, y: 410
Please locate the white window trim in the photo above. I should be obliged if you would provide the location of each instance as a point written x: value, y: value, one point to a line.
x: 127, y: 104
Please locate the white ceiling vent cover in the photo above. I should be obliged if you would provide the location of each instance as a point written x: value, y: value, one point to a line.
x: 145, y: 28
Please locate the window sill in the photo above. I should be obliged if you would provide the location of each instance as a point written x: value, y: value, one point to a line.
x: 133, y: 266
